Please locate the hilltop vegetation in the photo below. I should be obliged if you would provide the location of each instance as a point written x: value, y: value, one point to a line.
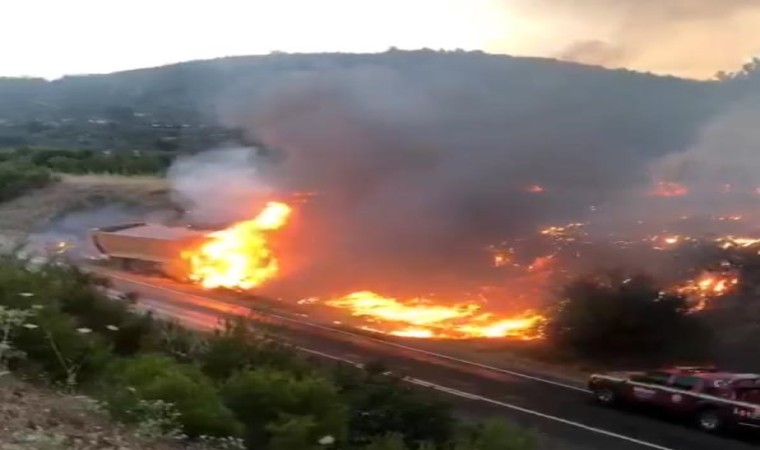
x: 27, y: 169
x: 198, y: 104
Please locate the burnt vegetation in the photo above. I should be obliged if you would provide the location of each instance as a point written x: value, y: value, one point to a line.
x: 612, y: 319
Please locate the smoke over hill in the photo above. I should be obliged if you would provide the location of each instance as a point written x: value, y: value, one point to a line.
x: 663, y: 36
x: 419, y: 166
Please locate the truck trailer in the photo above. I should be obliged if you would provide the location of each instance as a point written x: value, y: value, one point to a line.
x: 142, y: 247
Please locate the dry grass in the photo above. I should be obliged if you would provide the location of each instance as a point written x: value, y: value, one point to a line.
x: 34, y: 418
x: 20, y: 216
x: 144, y: 182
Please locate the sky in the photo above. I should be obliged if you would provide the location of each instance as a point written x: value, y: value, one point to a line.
x: 688, y: 38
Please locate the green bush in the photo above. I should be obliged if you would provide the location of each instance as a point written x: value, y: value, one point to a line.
x: 238, y: 345
x: 89, y: 161
x: 69, y: 291
x: 18, y: 178
x: 154, y: 377
x: 391, y: 441
x: 293, y: 433
x: 265, y: 399
x: 495, y: 435
x: 381, y: 405
x: 66, y: 352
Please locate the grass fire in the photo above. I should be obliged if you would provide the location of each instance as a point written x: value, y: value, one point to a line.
x: 242, y: 257
x: 423, y: 318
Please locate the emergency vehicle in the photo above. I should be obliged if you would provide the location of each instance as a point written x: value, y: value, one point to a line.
x: 714, y: 399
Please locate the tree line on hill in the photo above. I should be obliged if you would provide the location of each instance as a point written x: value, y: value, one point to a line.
x: 28, y: 168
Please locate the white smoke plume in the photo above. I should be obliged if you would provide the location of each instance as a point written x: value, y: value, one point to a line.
x: 218, y: 186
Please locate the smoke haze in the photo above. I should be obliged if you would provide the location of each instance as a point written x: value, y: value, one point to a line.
x: 417, y: 173
x: 691, y: 38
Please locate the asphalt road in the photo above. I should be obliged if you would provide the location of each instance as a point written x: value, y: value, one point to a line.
x: 556, y: 408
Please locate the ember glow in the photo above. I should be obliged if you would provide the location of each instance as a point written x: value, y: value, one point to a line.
x: 239, y: 257
x: 669, y: 189
x: 707, y: 287
x: 535, y: 189
x: 727, y: 242
x: 422, y: 318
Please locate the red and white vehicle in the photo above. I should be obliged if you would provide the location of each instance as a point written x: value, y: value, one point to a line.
x: 716, y: 400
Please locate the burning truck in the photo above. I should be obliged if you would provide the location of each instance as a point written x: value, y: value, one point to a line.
x: 237, y: 257
x: 143, y: 247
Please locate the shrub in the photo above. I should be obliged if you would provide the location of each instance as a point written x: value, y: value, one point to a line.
x: 391, y: 441
x: 495, y: 435
x: 171, y: 338
x: 381, y: 404
x: 153, y: 377
x: 64, y: 351
x: 18, y: 178
x: 266, y: 399
x: 293, y: 433
x: 613, y: 317
x: 238, y: 346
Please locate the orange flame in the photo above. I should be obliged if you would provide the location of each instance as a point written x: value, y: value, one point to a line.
x: 669, y: 189
x: 727, y: 242
x: 706, y: 287
x: 420, y: 318
x: 240, y: 256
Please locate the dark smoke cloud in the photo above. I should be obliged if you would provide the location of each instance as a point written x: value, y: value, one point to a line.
x: 693, y: 38
x: 726, y: 154
x: 417, y: 170
x: 721, y: 171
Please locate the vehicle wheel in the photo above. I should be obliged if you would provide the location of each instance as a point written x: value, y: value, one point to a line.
x: 605, y: 396
x: 709, y: 420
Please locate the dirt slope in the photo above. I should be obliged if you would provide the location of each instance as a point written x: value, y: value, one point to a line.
x: 35, y: 418
x: 20, y: 216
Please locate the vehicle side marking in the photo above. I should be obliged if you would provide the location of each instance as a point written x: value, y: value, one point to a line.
x: 679, y: 391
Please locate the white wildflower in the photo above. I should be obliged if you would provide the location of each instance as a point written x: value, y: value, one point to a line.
x: 26, y: 294
x: 326, y: 440
x: 30, y: 326
x: 84, y: 330
x: 112, y: 327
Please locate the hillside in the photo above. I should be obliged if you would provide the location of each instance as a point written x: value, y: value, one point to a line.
x: 197, y: 104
